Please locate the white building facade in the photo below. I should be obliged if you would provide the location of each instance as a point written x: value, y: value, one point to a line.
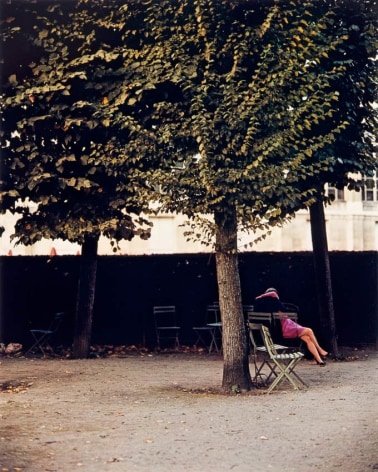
x: 351, y: 220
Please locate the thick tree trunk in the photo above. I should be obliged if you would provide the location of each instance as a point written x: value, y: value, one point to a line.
x: 323, y: 276
x: 236, y: 374
x: 85, y: 299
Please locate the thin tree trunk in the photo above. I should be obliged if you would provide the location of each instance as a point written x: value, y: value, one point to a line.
x: 236, y: 374
x: 85, y: 298
x: 323, y: 276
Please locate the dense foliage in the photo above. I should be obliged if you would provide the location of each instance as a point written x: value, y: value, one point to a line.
x: 108, y: 97
x: 64, y: 143
x: 262, y: 93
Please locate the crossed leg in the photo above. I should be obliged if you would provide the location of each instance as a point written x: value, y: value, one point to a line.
x: 309, y: 338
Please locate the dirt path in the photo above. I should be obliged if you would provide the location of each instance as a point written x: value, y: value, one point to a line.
x: 160, y: 413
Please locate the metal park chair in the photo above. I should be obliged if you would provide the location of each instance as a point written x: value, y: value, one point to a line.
x: 259, y: 352
x: 207, y: 333
x: 166, y: 325
x: 284, y: 362
x: 42, y: 337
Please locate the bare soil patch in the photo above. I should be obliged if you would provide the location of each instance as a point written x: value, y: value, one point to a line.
x: 142, y: 412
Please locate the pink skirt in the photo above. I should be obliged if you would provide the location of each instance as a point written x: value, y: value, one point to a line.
x: 291, y: 329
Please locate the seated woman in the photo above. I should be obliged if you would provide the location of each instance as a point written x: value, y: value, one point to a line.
x: 270, y: 302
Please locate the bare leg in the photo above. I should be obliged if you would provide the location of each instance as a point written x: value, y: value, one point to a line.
x: 309, y: 338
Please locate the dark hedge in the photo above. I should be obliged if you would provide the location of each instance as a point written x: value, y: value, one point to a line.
x: 33, y: 288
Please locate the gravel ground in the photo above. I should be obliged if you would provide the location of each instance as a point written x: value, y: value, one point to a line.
x: 159, y: 412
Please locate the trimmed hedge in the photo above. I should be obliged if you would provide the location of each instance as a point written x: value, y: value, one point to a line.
x: 35, y: 287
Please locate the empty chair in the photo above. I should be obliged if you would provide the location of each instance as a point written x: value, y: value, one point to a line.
x: 207, y: 332
x: 166, y: 325
x: 42, y: 337
x: 285, y: 363
x: 258, y: 349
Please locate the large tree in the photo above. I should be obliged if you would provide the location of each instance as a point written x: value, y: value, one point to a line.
x: 353, y: 149
x: 251, y: 82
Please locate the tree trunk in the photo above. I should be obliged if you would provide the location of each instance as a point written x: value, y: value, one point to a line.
x: 85, y: 298
x: 323, y: 276
x: 236, y: 374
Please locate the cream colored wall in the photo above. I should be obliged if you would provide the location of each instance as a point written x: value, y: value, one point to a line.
x: 351, y: 226
x: 167, y: 237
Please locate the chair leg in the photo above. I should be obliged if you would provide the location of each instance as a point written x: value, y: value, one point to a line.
x: 213, y: 342
x: 158, y: 339
x: 201, y: 340
x: 272, y: 371
x: 40, y: 343
x: 285, y: 371
x: 259, y: 374
x: 259, y: 368
x: 173, y: 338
x: 298, y: 378
x: 177, y: 342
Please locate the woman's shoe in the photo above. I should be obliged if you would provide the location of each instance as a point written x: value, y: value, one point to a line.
x: 322, y: 364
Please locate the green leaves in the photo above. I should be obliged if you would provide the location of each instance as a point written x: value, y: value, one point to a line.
x: 66, y: 143
x: 272, y: 111
x: 213, y: 102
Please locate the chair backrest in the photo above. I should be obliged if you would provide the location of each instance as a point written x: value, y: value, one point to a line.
x: 291, y: 307
x: 257, y: 328
x: 292, y: 315
x: 247, y: 309
x: 268, y: 341
x: 213, y: 313
x: 165, y: 316
x: 56, y: 322
x: 258, y: 316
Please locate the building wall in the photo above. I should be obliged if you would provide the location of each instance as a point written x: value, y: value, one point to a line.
x: 352, y: 225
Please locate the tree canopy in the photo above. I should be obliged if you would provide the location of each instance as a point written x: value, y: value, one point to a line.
x: 353, y: 150
x: 125, y: 94
x: 64, y: 142
x: 251, y: 104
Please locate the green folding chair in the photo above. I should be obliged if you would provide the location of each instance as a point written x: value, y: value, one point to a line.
x: 284, y: 363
